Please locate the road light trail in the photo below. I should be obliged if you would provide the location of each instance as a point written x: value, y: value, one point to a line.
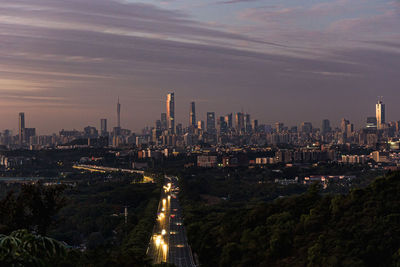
x: 169, y: 242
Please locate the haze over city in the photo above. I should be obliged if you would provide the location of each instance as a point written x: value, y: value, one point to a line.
x: 65, y: 63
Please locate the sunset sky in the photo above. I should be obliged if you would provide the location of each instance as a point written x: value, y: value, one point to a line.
x: 64, y: 63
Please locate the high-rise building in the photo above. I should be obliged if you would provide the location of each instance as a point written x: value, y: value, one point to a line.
x: 326, y: 126
x: 222, y: 126
x: 171, y: 113
x: 118, y: 114
x: 247, y: 123
x: 306, y: 127
x: 239, y: 121
x: 192, y: 114
x: 200, y: 125
x: 279, y: 127
x: 103, y: 127
x: 343, y: 125
x: 380, y: 114
x: 211, y: 122
x: 179, y: 129
x: 255, y: 125
x: 228, y: 120
x: 29, y: 132
x: 21, y: 128
x: 164, y: 123
x: 371, y: 123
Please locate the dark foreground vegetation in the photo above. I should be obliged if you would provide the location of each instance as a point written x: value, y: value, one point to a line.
x: 360, y: 228
x: 78, y: 226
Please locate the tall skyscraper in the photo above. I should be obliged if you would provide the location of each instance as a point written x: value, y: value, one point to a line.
x: 380, y: 114
x: 192, y: 114
x: 164, y: 123
x: 228, y: 120
x: 21, y: 128
x: 211, y: 122
x: 326, y: 126
x: 118, y: 114
x: 254, y: 125
x: 222, y: 126
x: 239, y: 122
x: 103, y: 127
x: 247, y: 122
x: 171, y: 112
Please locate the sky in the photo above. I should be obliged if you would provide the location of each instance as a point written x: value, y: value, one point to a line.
x: 65, y: 63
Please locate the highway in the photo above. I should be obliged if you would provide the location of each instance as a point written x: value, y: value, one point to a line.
x: 169, y: 242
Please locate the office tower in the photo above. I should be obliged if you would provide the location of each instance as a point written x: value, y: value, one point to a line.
x: 158, y: 125
x: 380, y: 114
x: 28, y: 133
x: 397, y: 126
x: 278, y: 127
x: 200, y: 125
x: 350, y: 129
x: 247, y: 123
x: 103, y: 127
x: 306, y: 127
x: 164, y: 123
x: 371, y: 123
x: 222, y: 126
x: 192, y: 114
x: 255, y: 125
x: 326, y: 126
x: 118, y: 114
x: 21, y: 128
x: 179, y: 129
x: 228, y: 120
x: 239, y: 122
x: 171, y: 113
x: 343, y: 125
x: 211, y: 122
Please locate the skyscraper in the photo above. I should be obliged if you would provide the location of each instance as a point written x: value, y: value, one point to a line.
x: 239, y: 122
x: 380, y: 114
x: 247, y: 122
x: 21, y: 128
x: 306, y: 127
x: 118, y: 114
x: 192, y: 114
x: 326, y: 126
x: 164, y: 123
x: 211, y: 122
x: 171, y: 113
x: 228, y: 120
x: 103, y: 127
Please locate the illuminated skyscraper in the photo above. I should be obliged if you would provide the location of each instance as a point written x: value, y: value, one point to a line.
x: 21, y: 128
x: 380, y: 114
x: 171, y: 113
x: 239, y: 122
x: 228, y: 120
x: 192, y: 114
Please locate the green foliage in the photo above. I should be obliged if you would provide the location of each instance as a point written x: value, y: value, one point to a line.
x: 22, y: 248
x: 33, y: 208
x: 357, y: 229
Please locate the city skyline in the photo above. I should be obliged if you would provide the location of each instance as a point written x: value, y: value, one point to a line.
x: 286, y: 61
x: 240, y: 121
